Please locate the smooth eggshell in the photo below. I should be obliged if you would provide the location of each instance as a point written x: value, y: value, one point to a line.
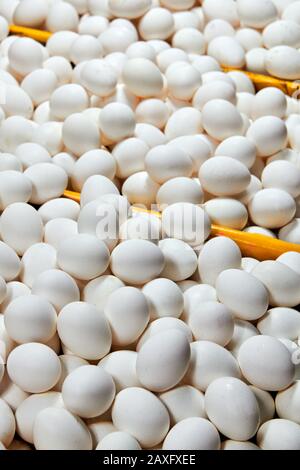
x: 209, y: 361
x: 272, y: 208
x: 266, y: 363
x: 163, y: 360
x: 59, y: 429
x: 279, y: 434
x: 34, y: 367
x: 239, y: 419
x: 28, y: 410
x: 224, y: 176
x: 84, y: 330
x: 88, y: 391
x: 281, y: 282
x: 244, y: 294
x: 183, y: 402
x: 127, y: 312
x: 192, y: 434
x: 21, y: 226
x: 137, y: 261
x: 83, y: 256
x: 30, y: 319
x: 121, y: 365
x: 132, y: 404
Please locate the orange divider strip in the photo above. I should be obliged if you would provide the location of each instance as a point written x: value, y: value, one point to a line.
x: 251, y: 244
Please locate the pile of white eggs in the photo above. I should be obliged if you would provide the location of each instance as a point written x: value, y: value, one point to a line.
x: 121, y: 329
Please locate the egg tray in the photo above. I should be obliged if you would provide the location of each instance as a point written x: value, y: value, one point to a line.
x: 253, y: 245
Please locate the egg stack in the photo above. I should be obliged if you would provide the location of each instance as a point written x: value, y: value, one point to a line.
x: 120, y: 329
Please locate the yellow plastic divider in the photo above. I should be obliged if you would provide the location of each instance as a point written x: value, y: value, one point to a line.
x: 37, y: 34
x: 251, y: 244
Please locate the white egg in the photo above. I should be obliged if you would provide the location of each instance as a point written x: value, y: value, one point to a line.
x: 117, y: 121
x: 255, y: 13
x: 221, y: 119
x: 137, y: 261
x: 195, y: 295
x: 57, y: 287
x: 281, y: 322
x: 49, y: 136
x: 228, y: 51
x: 227, y: 212
x: 84, y: 48
x: 217, y: 255
x: 141, y: 414
x: 165, y: 162
x: 183, y: 402
x: 129, y: 155
x: 224, y: 176
x: 212, y: 321
x: 283, y: 62
x: 25, y: 55
x: 28, y: 410
x: 58, y: 229
x: 186, y: 121
x: 118, y: 441
x: 266, y: 363
x: 272, y: 208
x: 142, y: 77
x: 157, y: 23
x: 281, y: 281
x: 62, y: 17
x: 98, y: 77
x: 150, y: 134
x: 34, y: 367
x: 8, y: 424
x: 282, y: 175
x: 121, y: 365
x: 56, y: 428
x: 238, y: 445
x: 269, y: 134
x: 59, y: 208
x: 186, y: 222
x: 68, y: 362
x: 164, y: 324
x: 170, y: 348
x: 270, y: 435
x: 21, y: 226
x: 10, y: 162
x: 180, y: 189
x: 170, y: 55
x: 225, y: 10
x: 95, y: 187
x: 80, y: 134
x: 242, y: 331
x: 209, y: 361
x: 180, y: 259
x: 195, y: 146
x: 14, y: 131
x: 14, y: 187
x: 265, y: 403
x: 213, y: 90
x: 239, y: 419
x: 68, y: 99
x: 61, y: 67
x: 127, y: 312
x: 48, y: 182
x: 17, y: 102
x: 193, y: 434
x: 287, y: 403
x: 243, y: 294
x: 291, y: 232
x: 95, y: 391
x: 30, y: 319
